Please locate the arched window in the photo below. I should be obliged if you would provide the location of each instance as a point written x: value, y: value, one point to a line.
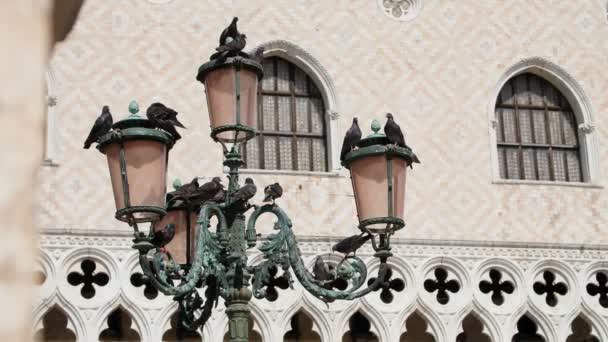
x: 291, y: 121
x: 55, y: 327
x: 536, y: 132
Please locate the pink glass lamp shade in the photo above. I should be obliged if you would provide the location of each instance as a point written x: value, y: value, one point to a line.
x: 231, y: 88
x: 378, y: 173
x: 137, y: 159
x: 183, y: 245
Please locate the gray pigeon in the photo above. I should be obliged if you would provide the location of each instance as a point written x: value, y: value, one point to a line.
x: 184, y: 191
x: 164, y: 236
x: 351, y: 244
x: 102, y: 125
x: 351, y: 138
x: 393, y: 131
x: 231, y: 48
x: 272, y: 192
x: 164, y: 118
x: 208, y: 190
x: 321, y: 270
x: 258, y: 54
x: 158, y: 111
x: 395, y: 136
x: 219, y: 196
x: 229, y: 32
x: 246, y: 192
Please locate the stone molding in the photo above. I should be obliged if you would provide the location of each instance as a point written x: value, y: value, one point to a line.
x: 414, y: 261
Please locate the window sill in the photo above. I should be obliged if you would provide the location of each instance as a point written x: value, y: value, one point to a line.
x: 49, y: 162
x: 329, y: 174
x: 531, y: 182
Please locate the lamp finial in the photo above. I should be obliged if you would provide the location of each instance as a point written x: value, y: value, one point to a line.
x: 376, y: 126
x: 177, y: 183
x: 133, y: 107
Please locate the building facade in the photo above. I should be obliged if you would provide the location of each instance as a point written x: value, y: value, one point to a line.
x: 503, y: 101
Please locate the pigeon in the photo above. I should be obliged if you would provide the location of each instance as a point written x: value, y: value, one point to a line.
x: 258, y: 54
x: 229, y: 32
x: 102, y: 125
x: 232, y: 48
x: 207, y: 191
x: 219, y: 196
x: 163, y: 236
x: 321, y: 270
x: 159, y: 111
x: 393, y: 131
x: 395, y: 136
x: 351, y: 138
x: 164, y: 118
x: 272, y: 192
x: 246, y: 192
x: 184, y: 191
x: 351, y: 244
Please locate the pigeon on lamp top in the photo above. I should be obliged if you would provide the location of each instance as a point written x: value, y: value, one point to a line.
x: 184, y: 191
x: 246, y: 192
x: 320, y: 270
x: 351, y: 138
x: 230, y: 49
x: 164, y: 236
x: 258, y: 54
x: 229, y: 32
x: 393, y: 131
x: 159, y: 111
x: 272, y: 192
x: 207, y: 191
x: 164, y: 118
x: 102, y: 125
x: 351, y: 244
x: 219, y: 196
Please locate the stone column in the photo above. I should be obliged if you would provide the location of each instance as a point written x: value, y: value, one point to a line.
x: 26, y: 36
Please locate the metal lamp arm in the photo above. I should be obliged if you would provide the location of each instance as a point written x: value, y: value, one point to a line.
x: 204, y: 263
x: 285, y: 243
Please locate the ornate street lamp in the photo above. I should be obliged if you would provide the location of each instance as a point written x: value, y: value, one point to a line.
x: 215, y: 256
x: 137, y: 158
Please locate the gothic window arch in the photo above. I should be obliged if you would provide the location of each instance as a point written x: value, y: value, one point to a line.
x: 569, y: 98
x: 301, y: 329
x: 536, y: 132
x: 55, y: 327
x: 360, y: 329
x: 291, y: 132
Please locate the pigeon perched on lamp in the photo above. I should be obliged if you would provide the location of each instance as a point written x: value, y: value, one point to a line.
x: 351, y: 244
x: 164, y: 118
x: 102, y: 125
x: 395, y: 135
x: 272, y: 192
x: 246, y: 192
x: 351, y: 138
x: 230, y: 32
x: 163, y: 236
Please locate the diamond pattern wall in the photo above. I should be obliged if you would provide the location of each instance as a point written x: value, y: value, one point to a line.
x: 436, y: 73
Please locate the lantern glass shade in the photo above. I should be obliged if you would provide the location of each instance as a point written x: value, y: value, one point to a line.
x: 183, y: 245
x: 139, y: 194
x: 379, y: 188
x: 232, y: 101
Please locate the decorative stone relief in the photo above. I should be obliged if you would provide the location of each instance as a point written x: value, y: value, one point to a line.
x: 441, y: 288
x: 402, y: 10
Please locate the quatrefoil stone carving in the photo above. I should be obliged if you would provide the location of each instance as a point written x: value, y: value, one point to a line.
x: 600, y: 290
x: 88, y: 278
x: 496, y: 287
x: 442, y: 286
x: 550, y: 288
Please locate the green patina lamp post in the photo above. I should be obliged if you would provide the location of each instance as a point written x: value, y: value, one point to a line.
x: 215, y: 256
